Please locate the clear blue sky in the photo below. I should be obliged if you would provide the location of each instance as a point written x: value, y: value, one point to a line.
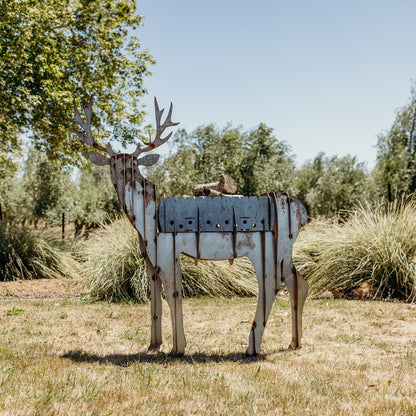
x: 326, y: 75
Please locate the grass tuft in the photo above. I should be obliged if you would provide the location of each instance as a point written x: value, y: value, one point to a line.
x: 218, y: 278
x: 26, y: 254
x: 372, y: 255
x: 116, y: 270
x: 113, y: 265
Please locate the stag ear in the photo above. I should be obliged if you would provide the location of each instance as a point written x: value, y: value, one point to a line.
x: 98, y: 159
x: 148, y: 160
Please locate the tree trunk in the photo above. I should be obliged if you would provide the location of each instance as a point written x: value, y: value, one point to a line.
x: 79, y: 227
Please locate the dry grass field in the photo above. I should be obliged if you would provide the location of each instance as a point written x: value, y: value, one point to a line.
x: 69, y: 357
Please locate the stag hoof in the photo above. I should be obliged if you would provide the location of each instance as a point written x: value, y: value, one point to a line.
x: 294, y: 346
x: 176, y: 354
x: 251, y: 352
x: 153, y: 349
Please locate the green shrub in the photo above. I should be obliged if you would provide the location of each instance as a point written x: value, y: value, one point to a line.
x: 371, y: 255
x: 25, y: 254
x: 115, y: 269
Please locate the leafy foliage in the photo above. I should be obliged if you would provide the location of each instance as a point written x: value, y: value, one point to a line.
x: 43, y: 191
x: 54, y: 50
x: 327, y: 185
x: 396, y: 167
x: 256, y: 160
x: 42, y: 185
x: 34, y: 192
x: 92, y: 200
x: 7, y: 186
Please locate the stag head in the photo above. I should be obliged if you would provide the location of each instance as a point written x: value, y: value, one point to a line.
x: 124, y: 166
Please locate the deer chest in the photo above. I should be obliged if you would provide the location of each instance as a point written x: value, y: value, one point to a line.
x: 208, y: 214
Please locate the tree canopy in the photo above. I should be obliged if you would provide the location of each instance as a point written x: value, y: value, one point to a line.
x: 327, y: 185
x: 396, y: 159
x: 54, y: 50
x: 255, y: 159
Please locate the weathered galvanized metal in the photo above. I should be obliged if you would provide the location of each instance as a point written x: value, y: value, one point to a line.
x: 214, y: 214
x: 261, y: 228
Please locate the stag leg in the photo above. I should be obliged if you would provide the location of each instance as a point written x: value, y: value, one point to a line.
x: 156, y: 311
x: 298, y: 290
x: 179, y: 341
x: 172, y: 284
x: 265, y: 302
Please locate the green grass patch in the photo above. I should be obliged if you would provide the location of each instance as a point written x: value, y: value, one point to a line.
x: 15, y: 311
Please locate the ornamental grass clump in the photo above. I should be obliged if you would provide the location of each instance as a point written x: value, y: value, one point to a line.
x: 113, y: 266
x: 26, y: 254
x: 115, y: 269
x: 371, y: 255
x: 218, y: 278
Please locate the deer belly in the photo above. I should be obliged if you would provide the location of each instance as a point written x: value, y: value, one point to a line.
x: 211, y: 246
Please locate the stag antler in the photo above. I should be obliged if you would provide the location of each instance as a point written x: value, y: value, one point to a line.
x: 158, y: 141
x: 86, y: 126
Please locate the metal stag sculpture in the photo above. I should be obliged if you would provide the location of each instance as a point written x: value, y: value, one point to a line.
x: 210, y: 228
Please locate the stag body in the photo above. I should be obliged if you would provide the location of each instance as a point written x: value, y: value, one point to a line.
x: 269, y: 251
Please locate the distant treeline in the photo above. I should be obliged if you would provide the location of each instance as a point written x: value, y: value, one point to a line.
x: 258, y: 160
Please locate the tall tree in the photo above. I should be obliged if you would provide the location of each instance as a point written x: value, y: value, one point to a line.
x: 54, y: 50
x: 266, y: 165
x: 43, y: 191
x: 396, y: 159
x: 91, y: 199
x: 327, y: 185
x: 255, y: 159
x: 8, y: 172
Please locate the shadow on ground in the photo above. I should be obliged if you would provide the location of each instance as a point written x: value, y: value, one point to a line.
x: 124, y: 360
